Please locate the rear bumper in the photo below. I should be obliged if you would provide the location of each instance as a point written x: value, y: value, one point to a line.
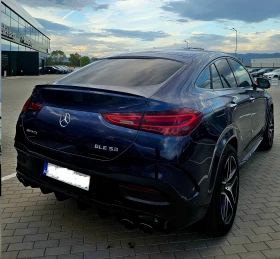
x: 106, y: 191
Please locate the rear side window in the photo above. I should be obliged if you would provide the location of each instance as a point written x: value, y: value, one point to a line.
x: 216, y: 81
x: 204, y: 80
x: 226, y: 74
x: 125, y: 72
x: 242, y: 76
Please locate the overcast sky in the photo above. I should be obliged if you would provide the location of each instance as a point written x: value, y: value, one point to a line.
x: 101, y: 28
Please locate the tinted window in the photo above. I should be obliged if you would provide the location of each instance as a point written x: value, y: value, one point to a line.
x: 216, y: 81
x: 125, y: 72
x: 242, y: 76
x: 5, y: 45
x: 204, y: 80
x: 226, y: 74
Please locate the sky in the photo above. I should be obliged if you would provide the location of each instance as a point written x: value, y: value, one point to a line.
x: 109, y: 27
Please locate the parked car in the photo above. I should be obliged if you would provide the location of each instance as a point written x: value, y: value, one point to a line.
x: 262, y: 71
x: 61, y: 69
x: 273, y: 74
x: 156, y: 138
x: 67, y: 69
x: 53, y: 70
x: 252, y: 70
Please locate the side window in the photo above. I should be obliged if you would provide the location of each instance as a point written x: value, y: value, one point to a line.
x: 216, y: 81
x: 242, y: 76
x: 204, y: 80
x: 226, y: 74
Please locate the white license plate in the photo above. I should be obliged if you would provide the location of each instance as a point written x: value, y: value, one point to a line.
x: 67, y: 176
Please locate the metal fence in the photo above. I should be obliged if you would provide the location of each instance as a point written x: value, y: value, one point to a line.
x: 265, y: 65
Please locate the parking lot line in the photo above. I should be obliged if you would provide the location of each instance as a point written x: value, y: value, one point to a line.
x: 7, y: 177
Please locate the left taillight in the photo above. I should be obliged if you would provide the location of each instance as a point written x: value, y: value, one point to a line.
x: 31, y: 106
x: 178, y: 122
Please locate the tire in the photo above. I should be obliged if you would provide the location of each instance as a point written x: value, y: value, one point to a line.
x: 268, y: 135
x: 221, y: 212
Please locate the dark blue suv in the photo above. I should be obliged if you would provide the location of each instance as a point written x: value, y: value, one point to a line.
x: 156, y: 138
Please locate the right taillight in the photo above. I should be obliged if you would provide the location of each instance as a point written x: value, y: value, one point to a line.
x: 179, y: 122
x: 31, y: 106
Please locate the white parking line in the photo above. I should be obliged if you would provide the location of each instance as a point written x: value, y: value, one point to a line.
x: 7, y: 177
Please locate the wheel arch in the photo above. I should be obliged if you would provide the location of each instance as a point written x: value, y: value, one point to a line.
x: 229, y: 137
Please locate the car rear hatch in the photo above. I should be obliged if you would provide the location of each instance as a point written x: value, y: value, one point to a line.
x: 96, y: 112
x: 69, y: 119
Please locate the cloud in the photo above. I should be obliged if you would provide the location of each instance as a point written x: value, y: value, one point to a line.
x: 213, y: 40
x: 275, y: 38
x: 210, y: 10
x: 57, y: 28
x: 143, y: 35
x: 75, y: 5
x: 182, y: 20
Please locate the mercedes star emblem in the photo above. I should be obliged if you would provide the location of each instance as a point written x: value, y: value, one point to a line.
x: 64, y: 119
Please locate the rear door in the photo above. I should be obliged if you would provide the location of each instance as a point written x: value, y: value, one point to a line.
x: 237, y: 101
x: 257, y: 97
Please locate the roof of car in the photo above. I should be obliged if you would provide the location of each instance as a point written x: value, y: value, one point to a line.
x: 182, y: 55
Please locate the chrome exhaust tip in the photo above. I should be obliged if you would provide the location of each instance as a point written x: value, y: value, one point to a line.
x: 127, y: 223
x: 146, y: 228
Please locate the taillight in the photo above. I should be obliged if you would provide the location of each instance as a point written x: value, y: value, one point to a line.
x: 24, y: 108
x: 179, y: 122
x: 128, y: 120
x: 31, y: 106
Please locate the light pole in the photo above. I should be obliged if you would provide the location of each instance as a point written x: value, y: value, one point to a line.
x: 233, y: 29
x: 187, y: 43
x: 80, y: 56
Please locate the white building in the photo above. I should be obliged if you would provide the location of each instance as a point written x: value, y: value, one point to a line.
x: 266, y: 62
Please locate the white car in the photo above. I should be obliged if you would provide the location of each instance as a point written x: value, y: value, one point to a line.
x: 273, y: 74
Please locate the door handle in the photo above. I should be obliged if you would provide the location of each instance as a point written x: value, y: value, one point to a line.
x: 252, y: 99
x: 232, y: 105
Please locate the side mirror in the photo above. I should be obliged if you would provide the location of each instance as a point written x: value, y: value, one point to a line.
x: 263, y: 83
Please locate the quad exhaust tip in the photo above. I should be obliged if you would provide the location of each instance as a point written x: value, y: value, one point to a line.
x: 23, y: 181
x: 146, y: 228
x: 127, y: 223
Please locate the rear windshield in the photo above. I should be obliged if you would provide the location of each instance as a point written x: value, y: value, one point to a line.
x: 124, y: 72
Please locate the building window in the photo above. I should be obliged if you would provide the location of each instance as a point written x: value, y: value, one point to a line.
x: 8, y: 11
x: 33, y: 36
x: 21, y: 29
x: 3, y: 8
x: 14, y: 25
x: 5, y: 45
x: 14, y: 46
x: 21, y: 21
x: 14, y: 16
x: 27, y: 30
x: 21, y: 48
x: 6, y: 19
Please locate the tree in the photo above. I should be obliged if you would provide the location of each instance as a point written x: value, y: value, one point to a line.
x: 85, y: 61
x: 56, y: 57
x: 93, y: 59
x: 75, y: 59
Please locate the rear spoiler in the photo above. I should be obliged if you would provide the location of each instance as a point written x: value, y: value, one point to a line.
x: 139, y: 91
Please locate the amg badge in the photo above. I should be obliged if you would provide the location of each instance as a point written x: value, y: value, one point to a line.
x: 106, y: 148
x: 31, y: 131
